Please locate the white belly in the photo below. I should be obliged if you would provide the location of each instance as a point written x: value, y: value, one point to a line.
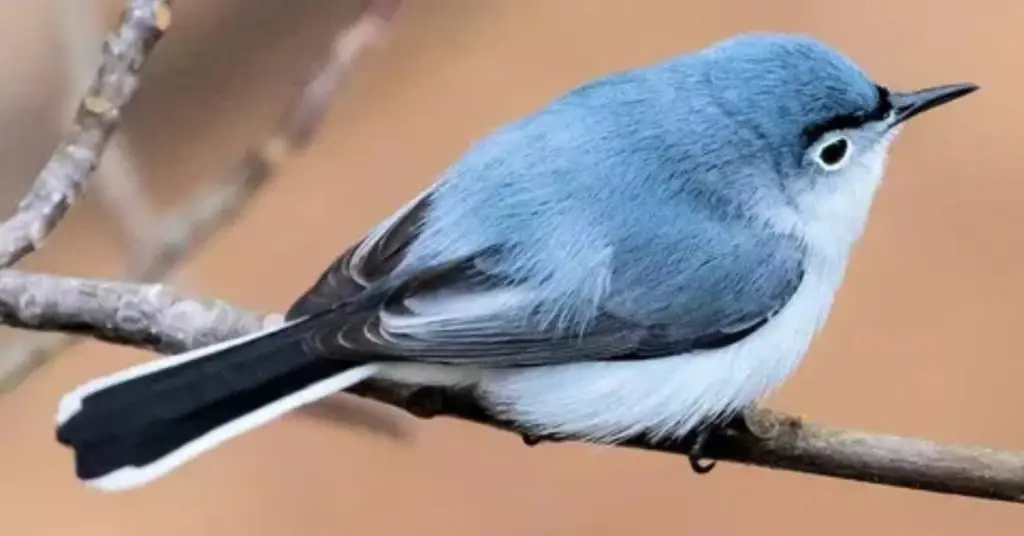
x: 606, y: 401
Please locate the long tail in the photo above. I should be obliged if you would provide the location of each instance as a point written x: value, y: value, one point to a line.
x: 134, y: 426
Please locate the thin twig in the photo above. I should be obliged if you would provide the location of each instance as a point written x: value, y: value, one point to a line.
x: 64, y: 176
x: 117, y: 178
x: 150, y: 316
x: 25, y: 355
x: 184, y: 230
x: 187, y: 228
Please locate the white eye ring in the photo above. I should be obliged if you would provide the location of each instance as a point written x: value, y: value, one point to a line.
x: 833, y: 153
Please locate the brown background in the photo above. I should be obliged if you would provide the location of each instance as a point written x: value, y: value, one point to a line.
x: 922, y: 340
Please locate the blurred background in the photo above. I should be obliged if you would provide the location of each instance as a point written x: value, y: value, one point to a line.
x: 922, y: 340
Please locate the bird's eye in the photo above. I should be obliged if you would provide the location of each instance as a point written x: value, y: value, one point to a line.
x: 834, y: 154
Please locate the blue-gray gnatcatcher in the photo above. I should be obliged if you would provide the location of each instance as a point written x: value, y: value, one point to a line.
x: 648, y: 253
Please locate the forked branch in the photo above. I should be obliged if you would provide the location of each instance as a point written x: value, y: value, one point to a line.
x: 158, y: 247
x: 150, y: 316
x: 64, y: 176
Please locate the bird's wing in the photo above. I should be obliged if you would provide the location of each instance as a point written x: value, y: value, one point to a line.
x: 366, y: 263
x: 463, y: 313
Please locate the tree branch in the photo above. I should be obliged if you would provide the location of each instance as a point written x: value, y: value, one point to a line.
x: 150, y: 316
x: 117, y: 178
x: 63, y: 177
x: 185, y: 229
x: 159, y: 247
x: 146, y: 316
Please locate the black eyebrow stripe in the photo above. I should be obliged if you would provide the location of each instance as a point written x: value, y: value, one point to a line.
x: 882, y: 107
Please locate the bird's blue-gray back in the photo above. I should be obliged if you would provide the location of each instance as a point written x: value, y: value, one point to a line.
x: 598, y: 193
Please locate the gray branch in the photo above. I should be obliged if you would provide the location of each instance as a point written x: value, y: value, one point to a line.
x: 151, y: 316
x: 163, y: 244
x: 187, y: 228
x: 64, y: 176
x: 118, y: 181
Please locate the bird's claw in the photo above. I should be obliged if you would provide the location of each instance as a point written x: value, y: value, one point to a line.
x: 698, y: 464
x: 530, y: 440
x: 701, y: 467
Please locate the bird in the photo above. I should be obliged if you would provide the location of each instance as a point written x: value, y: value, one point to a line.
x: 644, y: 255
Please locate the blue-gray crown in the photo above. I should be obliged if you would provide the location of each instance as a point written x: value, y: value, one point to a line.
x: 790, y: 87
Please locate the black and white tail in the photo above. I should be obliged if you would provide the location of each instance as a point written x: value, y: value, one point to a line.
x: 136, y: 425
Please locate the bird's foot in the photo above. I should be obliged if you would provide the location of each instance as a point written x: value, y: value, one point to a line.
x: 530, y: 440
x: 698, y: 464
x: 738, y: 424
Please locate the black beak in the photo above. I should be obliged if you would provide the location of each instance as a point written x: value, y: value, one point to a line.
x: 909, y: 104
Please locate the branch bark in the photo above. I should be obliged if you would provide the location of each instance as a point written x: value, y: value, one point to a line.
x: 64, y: 176
x: 117, y: 178
x: 158, y: 247
x: 152, y: 317
x: 185, y: 229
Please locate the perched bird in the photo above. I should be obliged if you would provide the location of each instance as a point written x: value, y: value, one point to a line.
x: 649, y: 253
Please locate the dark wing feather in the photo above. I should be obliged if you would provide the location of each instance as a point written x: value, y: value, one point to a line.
x: 365, y: 263
x: 411, y: 324
x: 462, y: 313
